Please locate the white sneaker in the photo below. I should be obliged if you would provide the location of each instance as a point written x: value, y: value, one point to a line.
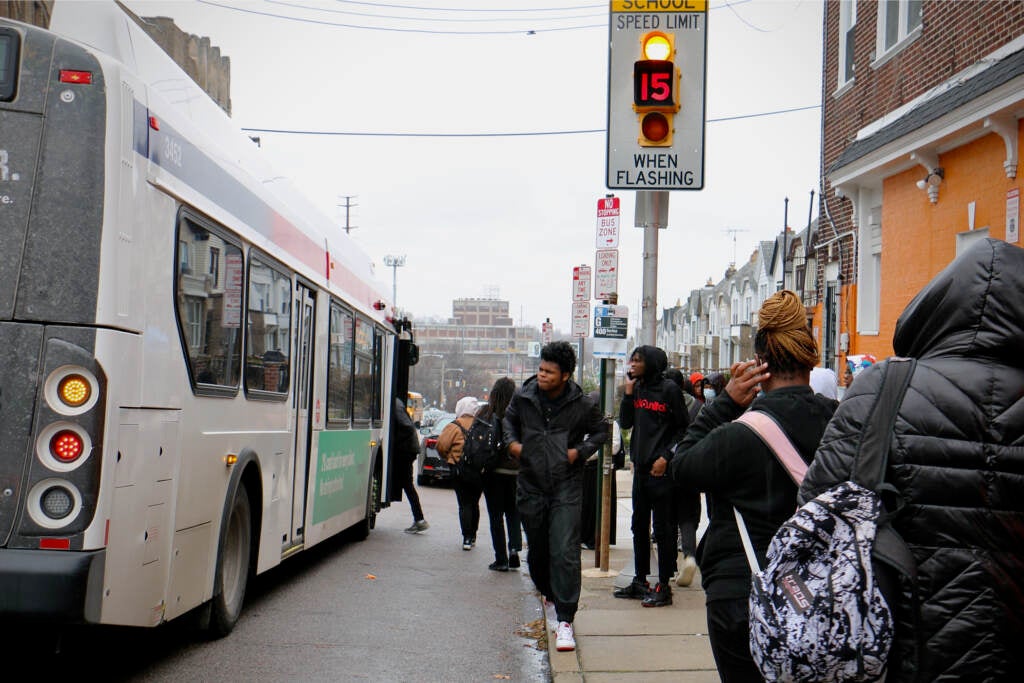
x: 564, y: 637
x: 550, y: 615
x: 686, y: 571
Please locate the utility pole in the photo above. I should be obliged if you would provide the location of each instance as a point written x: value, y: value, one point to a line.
x: 348, y: 206
x: 394, y: 263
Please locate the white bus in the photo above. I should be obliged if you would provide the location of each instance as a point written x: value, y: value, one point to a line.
x: 200, y: 367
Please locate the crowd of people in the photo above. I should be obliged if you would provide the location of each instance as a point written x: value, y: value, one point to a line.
x: 954, y: 470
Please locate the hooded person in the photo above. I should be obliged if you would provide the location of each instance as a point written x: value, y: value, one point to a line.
x: 735, y: 469
x: 450, y: 443
x: 552, y: 427
x: 955, y: 466
x: 653, y: 408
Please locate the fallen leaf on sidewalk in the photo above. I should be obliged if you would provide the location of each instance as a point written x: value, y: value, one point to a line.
x: 371, y: 577
x: 503, y: 677
x: 536, y: 630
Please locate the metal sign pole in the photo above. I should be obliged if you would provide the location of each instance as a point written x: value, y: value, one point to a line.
x: 604, y: 481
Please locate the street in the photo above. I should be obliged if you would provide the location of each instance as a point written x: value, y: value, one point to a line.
x: 396, y: 607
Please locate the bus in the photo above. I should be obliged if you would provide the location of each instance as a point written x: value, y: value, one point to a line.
x: 414, y: 406
x: 200, y: 367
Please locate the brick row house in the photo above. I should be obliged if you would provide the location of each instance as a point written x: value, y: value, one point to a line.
x: 921, y: 107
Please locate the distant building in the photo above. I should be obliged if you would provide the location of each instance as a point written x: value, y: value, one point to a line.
x: 477, y: 345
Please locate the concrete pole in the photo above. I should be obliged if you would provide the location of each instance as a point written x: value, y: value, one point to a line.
x: 651, y: 215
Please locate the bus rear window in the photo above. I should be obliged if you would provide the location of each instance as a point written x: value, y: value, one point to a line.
x: 9, y: 41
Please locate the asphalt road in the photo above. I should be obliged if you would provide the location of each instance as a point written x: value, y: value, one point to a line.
x: 396, y: 607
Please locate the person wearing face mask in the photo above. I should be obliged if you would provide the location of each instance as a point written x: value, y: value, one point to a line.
x: 714, y: 385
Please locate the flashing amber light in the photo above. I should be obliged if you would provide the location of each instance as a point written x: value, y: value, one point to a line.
x: 656, y: 46
x: 74, y: 390
x: 655, y: 127
x: 79, y: 77
x: 67, y: 446
x: 230, y: 459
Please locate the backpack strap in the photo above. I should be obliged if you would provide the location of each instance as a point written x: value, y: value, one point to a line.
x: 872, y: 459
x: 765, y: 426
x: 769, y: 431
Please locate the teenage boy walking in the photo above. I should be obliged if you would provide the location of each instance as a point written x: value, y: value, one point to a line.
x: 653, y: 408
x: 552, y: 428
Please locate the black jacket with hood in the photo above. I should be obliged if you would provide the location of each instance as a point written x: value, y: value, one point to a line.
x: 732, y: 465
x: 655, y: 412
x: 957, y: 460
x: 575, y: 422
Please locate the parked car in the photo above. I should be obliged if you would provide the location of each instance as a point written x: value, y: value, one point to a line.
x: 430, y: 466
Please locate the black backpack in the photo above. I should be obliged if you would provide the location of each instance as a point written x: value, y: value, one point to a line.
x: 479, y: 450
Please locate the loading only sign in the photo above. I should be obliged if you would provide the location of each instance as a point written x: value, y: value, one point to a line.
x: 656, y: 70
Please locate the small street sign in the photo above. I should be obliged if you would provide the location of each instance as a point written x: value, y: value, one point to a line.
x: 611, y: 322
x: 608, y: 223
x: 546, y: 332
x: 606, y: 278
x: 580, y: 318
x: 581, y: 283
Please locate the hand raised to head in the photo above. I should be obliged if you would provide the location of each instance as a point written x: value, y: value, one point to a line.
x: 745, y: 381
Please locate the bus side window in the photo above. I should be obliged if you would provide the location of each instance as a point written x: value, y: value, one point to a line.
x: 268, y: 337
x: 209, y: 313
x: 339, y: 367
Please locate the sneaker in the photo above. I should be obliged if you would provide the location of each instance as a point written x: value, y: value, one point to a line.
x: 498, y: 566
x: 513, y: 560
x: 565, y: 640
x: 466, y: 545
x: 661, y: 596
x: 550, y: 615
x: 634, y: 591
x: 686, y: 571
x: 417, y: 527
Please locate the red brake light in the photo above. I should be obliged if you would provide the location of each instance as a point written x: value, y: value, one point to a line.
x: 80, y: 77
x: 431, y: 443
x: 66, y: 446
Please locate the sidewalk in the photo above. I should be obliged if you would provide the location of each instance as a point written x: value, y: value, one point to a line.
x: 618, y: 640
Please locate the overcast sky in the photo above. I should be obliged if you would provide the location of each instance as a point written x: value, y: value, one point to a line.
x: 511, y: 215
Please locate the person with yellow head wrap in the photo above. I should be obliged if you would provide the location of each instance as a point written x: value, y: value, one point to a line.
x: 733, y: 467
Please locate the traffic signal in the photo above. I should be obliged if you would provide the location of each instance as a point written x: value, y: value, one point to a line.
x: 656, y: 89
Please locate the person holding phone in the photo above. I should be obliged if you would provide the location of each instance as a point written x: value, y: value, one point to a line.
x: 730, y: 463
x: 652, y: 406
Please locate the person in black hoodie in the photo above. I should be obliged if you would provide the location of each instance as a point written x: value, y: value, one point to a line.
x: 955, y: 465
x: 653, y: 408
x: 552, y: 427
x: 730, y: 463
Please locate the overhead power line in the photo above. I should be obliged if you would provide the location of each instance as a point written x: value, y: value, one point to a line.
x: 287, y: 131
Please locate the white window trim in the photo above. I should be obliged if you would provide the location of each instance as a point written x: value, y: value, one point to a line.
x: 903, y: 39
x: 847, y: 21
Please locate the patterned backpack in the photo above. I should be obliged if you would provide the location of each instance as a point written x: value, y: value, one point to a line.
x: 817, y: 610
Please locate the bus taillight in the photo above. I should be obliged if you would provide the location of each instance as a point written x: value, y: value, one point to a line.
x: 74, y: 390
x: 66, y: 446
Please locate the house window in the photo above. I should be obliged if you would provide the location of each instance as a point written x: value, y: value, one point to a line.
x: 898, y: 20
x: 215, y: 266
x: 847, y: 24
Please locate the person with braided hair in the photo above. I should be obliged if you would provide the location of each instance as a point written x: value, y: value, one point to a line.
x: 735, y: 469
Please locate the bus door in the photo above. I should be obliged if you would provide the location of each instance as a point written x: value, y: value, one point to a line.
x: 302, y: 396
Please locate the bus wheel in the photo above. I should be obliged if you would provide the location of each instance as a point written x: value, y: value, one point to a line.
x: 233, y: 560
x: 363, y: 528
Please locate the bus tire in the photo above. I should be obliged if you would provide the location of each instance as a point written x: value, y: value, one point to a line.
x: 362, y: 530
x: 233, y: 567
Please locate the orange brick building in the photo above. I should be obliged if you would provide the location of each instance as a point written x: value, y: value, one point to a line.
x: 921, y: 107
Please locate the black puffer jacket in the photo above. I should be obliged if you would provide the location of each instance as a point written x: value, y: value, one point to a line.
x: 958, y: 460
x: 575, y: 422
x: 732, y: 465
